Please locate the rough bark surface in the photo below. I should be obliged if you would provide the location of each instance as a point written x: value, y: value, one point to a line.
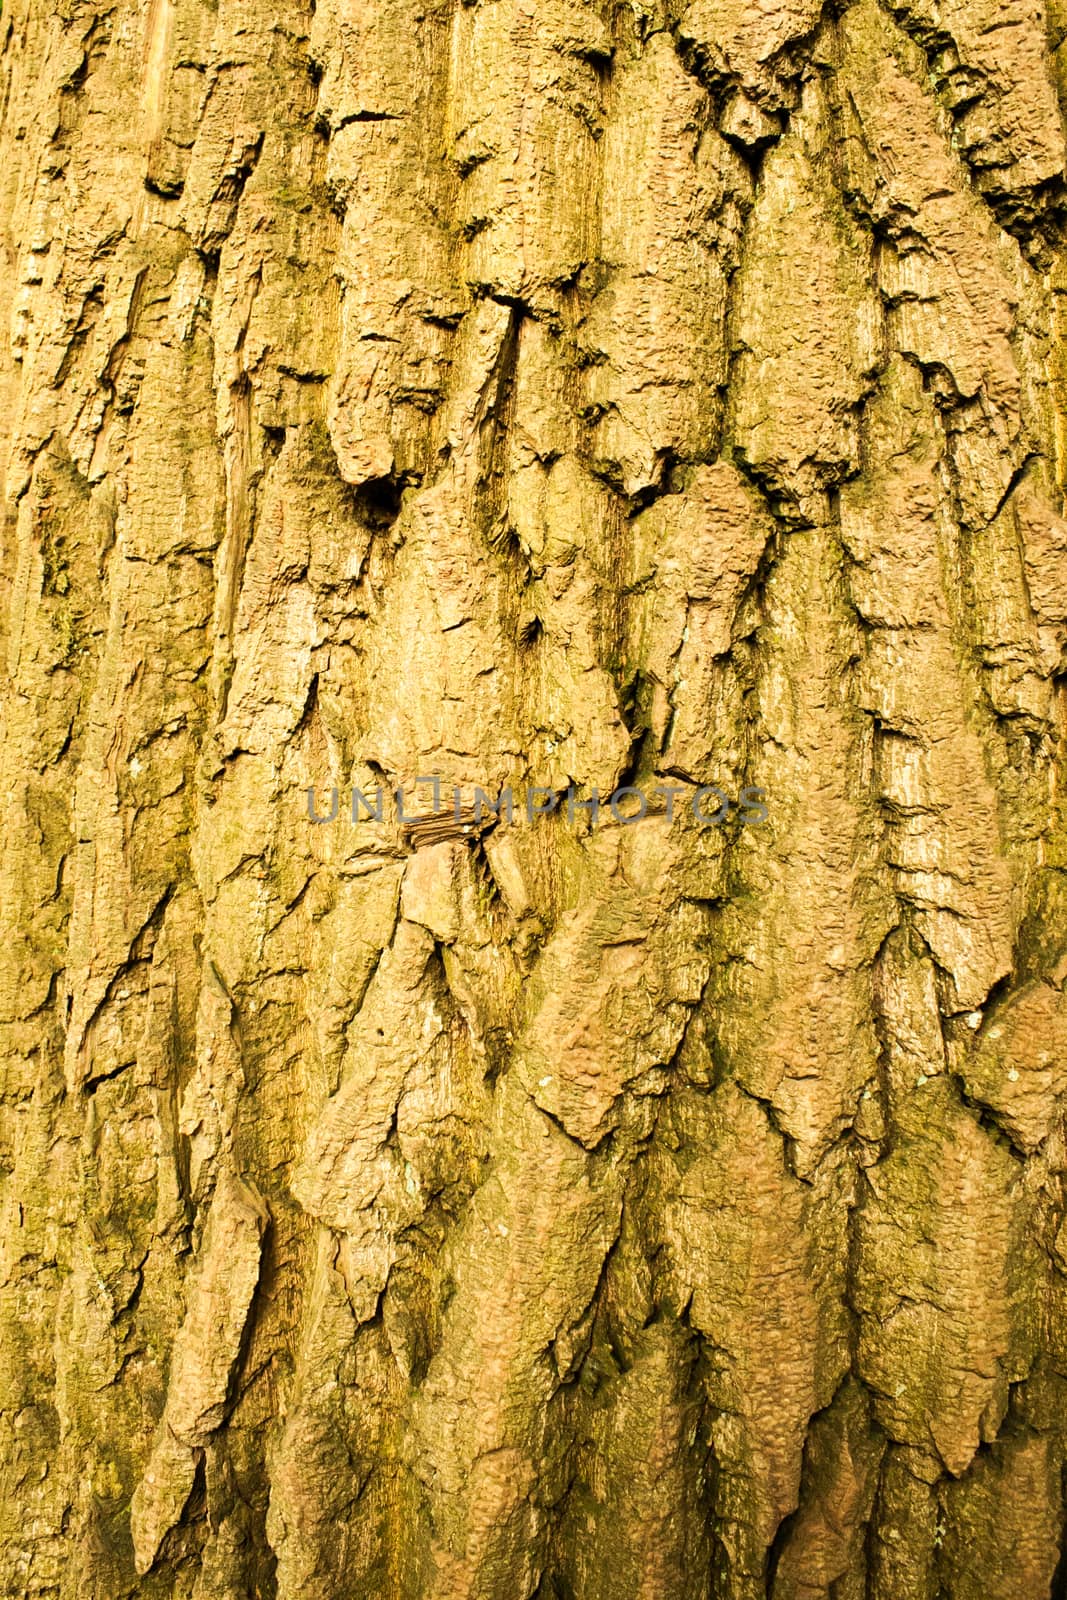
x: 558, y: 394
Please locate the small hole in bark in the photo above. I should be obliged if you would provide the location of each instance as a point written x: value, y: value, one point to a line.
x: 379, y: 500
x: 273, y: 441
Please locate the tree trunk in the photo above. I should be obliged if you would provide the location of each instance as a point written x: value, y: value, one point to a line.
x: 550, y: 400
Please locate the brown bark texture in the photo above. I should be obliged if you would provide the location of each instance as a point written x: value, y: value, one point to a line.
x: 559, y: 394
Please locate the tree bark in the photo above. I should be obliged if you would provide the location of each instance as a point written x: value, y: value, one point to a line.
x: 577, y: 396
